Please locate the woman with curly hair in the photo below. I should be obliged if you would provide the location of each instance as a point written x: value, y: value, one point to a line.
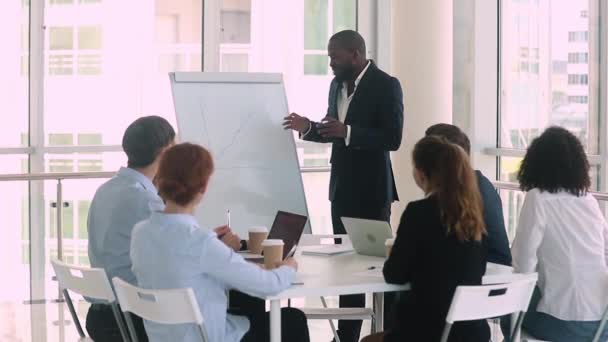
x: 563, y: 236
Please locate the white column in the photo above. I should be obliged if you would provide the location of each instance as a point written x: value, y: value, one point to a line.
x: 422, y: 60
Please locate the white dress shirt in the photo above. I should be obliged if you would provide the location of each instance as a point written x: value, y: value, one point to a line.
x: 565, y: 239
x: 172, y: 251
x: 344, y: 101
x: 121, y: 202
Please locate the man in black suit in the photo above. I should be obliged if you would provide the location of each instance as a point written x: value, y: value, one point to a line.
x: 364, y: 122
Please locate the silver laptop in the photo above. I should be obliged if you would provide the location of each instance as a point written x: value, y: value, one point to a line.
x: 368, y: 236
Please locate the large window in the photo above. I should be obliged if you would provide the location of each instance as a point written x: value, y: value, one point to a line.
x: 99, y: 64
x: 549, y: 58
x: 14, y: 68
x: 107, y: 62
x: 295, y: 44
x: 322, y: 18
x: 548, y: 68
x: 15, y: 240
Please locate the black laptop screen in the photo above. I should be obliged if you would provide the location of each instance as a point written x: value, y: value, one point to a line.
x: 289, y: 228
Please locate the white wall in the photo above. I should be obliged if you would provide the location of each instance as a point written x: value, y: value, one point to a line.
x: 422, y: 46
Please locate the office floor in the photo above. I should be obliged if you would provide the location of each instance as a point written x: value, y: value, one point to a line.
x: 51, y: 322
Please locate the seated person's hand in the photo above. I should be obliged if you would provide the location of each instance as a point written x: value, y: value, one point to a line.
x: 291, y: 262
x: 232, y: 240
x: 221, y: 231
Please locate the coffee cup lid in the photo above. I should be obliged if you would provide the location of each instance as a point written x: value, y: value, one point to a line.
x: 258, y: 229
x: 273, y: 242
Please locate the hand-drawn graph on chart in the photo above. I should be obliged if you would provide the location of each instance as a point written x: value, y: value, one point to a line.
x: 238, y: 118
x: 229, y: 146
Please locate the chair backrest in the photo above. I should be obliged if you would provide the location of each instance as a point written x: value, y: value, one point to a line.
x: 89, y: 282
x: 173, y: 306
x: 320, y: 239
x: 494, y: 268
x: 487, y: 301
x: 501, y: 275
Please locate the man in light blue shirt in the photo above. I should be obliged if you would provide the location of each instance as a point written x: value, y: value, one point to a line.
x: 120, y: 203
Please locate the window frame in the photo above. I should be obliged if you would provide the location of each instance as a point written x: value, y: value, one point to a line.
x: 37, y: 149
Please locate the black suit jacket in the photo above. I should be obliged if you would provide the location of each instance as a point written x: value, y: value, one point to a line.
x: 434, y: 263
x: 362, y: 171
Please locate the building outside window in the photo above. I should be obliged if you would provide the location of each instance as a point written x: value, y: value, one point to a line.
x: 560, y: 90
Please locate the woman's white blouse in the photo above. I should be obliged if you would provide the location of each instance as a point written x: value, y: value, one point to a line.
x: 564, y: 238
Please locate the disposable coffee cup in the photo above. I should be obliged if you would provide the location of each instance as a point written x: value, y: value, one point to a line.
x: 256, y: 236
x: 389, y: 246
x: 273, y: 252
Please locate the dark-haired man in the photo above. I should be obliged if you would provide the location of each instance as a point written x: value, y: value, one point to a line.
x: 120, y: 203
x: 496, y: 239
x: 364, y: 122
x: 126, y: 199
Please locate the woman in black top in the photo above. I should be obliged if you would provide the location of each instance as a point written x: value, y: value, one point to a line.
x: 438, y: 247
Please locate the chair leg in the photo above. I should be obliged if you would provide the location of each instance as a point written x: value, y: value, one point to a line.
x: 120, y: 322
x: 334, y: 331
x: 446, y: 332
x: 131, y: 327
x: 517, y: 329
x: 600, y: 328
x: 495, y: 323
x: 203, y: 333
x: 68, y: 300
x: 331, y: 322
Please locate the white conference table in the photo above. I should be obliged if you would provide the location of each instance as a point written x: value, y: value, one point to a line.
x: 331, y: 276
x: 342, y: 275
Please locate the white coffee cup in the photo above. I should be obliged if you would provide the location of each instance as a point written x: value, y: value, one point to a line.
x: 256, y: 236
x: 389, y: 246
x: 273, y: 252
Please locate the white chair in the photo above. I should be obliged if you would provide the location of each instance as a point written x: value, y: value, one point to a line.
x: 173, y: 306
x: 89, y: 282
x: 600, y: 328
x: 326, y: 313
x: 496, y: 274
x: 486, y: 301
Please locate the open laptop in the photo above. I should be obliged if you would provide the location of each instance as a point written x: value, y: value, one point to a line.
x: 287, y: 227
x: 368, y: 236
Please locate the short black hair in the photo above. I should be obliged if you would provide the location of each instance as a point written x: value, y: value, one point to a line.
x: 145, y: 138
x: 555, y: 161
x: 349, y: 40
x: 452, y: 134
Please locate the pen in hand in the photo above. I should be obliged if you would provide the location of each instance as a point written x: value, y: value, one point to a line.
x: 228, y: 223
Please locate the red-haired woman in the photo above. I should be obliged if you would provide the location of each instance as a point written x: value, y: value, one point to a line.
x: 171, y: 250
